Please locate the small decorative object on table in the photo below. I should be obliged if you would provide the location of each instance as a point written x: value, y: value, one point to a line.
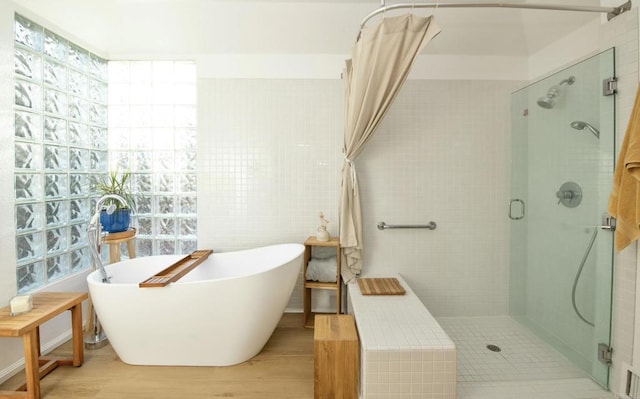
x: 323, y: 234
x: 20, y: 304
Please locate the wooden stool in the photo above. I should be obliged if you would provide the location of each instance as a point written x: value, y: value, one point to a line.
x: 46, y: 305
x: 335, y: 357
x: 115, y: 239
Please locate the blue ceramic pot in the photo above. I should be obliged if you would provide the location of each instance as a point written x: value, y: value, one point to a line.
x: 116, y: 222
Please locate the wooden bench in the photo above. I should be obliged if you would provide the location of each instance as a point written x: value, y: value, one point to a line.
x: 46, y: 305
x: 335, y: 354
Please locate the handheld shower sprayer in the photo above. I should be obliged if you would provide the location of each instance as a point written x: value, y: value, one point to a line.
x: 580, y: 125
x: 549, y: 100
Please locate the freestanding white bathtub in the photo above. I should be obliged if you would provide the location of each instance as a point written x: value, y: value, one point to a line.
x: 221, y: 313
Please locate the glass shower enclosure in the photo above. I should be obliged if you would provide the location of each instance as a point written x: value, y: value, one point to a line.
x: 561, y: 250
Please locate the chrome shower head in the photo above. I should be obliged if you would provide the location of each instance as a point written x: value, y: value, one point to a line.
x: 549, y: 100
x: 580, y: 125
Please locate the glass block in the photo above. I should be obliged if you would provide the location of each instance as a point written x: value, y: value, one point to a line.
x: 78, y: 58
x: 187, y: 161
x: 99, y: 160
x: 164, y: 183
x: 142, y: 139
x: 166, y: 247
x: 187, y: 183
x: 185, y: 138
x: 120, y: 160
x: 28, y: 186
x: 98, y: 67
x: 162, y: 115
x: 118, y: 71
x: 28, y: 125
x: 80, y: 259
x: 57, y: 240
x: 163, y: 161
x: 185, y: 71
x: 79, y: 209
x: 97, y: 114
x: 185, y: 116
x: 78, y: 109
x: 144, y: 204
x: 57, y: 267
x: 78, y: 84
x: 145, y: 226
x: 142, y: 161
x: 162, y: 71
x: 185, y: 93
x: 28, y: 217
x: 165, y: 204
x: 188, y: 205
x: 28, y: 33
x: 142, y: 183
x: 55, y: 186
x: 55, y: 46
x: 119, y: 116
x: 55, y: 102
x: 144, y: 247
x: 166, y: 226
x: 98, y: 137
x: 30, y: 277
x: 163, y: 139
x: 27, y: 64
x: 55, y: 129
x: 57, y: 212
x: 28, y: 156
x: 140, y: 71
x: 140, y: 116
x: 78, y: 159
x: 187, y: 246
x: 79, y: 185
x: 56, y: 157
x: 28, y: 95
x: 55, y: 74
x: 29, y: 246
x: 188, y: 226
x: 98, y: 92
x: 78, y: 234
x: 78, y: 133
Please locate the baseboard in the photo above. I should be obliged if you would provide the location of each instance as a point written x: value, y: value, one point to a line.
x: 47, y: 347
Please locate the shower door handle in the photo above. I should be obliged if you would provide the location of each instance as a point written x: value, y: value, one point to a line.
x: 522, y: 211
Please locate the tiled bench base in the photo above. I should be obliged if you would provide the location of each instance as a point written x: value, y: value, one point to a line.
x: 403, y: 350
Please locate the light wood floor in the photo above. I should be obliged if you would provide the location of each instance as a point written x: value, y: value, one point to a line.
x: 284, y: 369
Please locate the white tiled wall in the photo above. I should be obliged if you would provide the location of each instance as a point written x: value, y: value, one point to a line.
x: 269, y: 160
x: 442, y: 154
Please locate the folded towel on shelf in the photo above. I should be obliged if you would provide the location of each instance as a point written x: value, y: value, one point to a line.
x: 323, y: 252
x: 624, y: 202
x: 322, y: 270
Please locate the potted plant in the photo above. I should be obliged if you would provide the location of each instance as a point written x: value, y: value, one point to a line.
x: 118, y: 184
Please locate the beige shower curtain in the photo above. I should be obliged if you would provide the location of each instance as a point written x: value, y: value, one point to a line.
x: 380, y: 63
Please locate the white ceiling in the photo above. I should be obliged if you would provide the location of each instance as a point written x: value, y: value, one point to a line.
x: 120, y: 28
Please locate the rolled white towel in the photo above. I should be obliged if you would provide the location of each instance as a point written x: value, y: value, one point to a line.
x: 322, y: 270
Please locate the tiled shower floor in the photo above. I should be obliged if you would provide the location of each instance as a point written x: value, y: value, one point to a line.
x: 526, y: 367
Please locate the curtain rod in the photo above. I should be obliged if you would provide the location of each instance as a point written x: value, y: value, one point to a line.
x: 612, y: 12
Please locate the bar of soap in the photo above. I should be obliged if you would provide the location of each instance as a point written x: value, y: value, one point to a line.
x: 20, y: 304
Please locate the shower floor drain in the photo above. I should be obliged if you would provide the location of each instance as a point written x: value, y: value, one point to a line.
x: 493, y: 348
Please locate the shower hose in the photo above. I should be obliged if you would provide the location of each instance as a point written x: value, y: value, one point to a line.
x: 577, y: 278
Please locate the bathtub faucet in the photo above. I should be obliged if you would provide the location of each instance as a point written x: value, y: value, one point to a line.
x: 94, y: 232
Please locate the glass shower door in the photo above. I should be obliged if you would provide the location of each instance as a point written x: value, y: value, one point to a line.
x: 561, y: 176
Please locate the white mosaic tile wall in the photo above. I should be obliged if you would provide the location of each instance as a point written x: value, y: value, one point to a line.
x: 404, y: 353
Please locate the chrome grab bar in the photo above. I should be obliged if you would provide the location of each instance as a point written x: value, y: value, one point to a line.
x: 384, y: 226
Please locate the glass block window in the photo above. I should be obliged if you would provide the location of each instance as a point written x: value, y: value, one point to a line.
x: 152, y: 133
x: 60, y: 144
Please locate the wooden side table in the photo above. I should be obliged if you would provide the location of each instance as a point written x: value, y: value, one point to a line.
x: 46, y: 305
x: 115, y: 239
x: 336, y: 286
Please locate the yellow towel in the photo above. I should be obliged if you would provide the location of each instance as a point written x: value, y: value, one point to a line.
x: 624, y: 201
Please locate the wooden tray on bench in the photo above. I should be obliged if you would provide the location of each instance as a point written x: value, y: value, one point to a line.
x: 177, y: 270
x: 380, y: 286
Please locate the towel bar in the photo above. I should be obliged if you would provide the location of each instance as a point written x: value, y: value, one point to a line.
x: 383, y: 226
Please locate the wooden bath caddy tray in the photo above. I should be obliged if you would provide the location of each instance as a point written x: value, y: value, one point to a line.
x: 177, y: 270
x: 380, y: 286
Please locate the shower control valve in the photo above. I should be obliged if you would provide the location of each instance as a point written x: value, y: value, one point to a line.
x: 569, y: 195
